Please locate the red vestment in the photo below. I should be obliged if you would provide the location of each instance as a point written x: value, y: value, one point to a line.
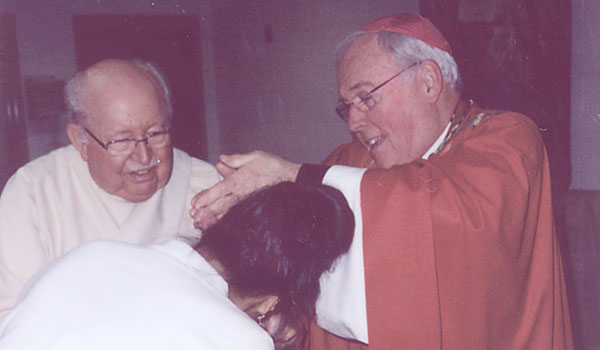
x: 460, y: 250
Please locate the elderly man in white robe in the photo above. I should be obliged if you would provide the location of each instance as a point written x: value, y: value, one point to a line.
x: 120, y: 179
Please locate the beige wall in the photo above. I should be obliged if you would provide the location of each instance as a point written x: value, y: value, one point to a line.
x: 585, y: 95
x: 279, y: 96
x: 275, y: 96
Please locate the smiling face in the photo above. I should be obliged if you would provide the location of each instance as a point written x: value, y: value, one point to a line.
x: 403, y: 124
x: 122, y: 102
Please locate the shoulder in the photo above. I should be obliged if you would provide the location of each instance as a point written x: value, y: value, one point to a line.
x: 101, y: 247
x: 51, y: 167
x: 203, y: 174
x: 482, y: 120
x: 198, y: 165
x: 51, y: 162
x: 74, y: 267
x: 502, y: 128
x: 201, y: 168
x: 95, y: 252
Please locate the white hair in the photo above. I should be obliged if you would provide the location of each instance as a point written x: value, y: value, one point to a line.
x: 75, y: 88
x: 405, y: 50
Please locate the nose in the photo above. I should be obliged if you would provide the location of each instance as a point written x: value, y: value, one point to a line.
x: 356, y: 119
x: 142, y: 153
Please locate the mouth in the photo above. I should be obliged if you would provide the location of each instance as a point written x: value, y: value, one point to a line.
x: 374, y: 142
x: 142, y: 172
x: 142, y: 175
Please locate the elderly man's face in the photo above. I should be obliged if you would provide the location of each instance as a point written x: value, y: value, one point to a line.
x: 399, y: 128
x: 120, y: 106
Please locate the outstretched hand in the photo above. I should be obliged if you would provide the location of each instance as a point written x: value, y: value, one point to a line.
x: 243, y: 174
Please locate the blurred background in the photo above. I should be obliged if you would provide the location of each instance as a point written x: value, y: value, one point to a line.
x: 251, y: 74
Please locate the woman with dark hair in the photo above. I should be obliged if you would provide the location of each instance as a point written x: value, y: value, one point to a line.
x: 277, y: 243
x: 263, y: 259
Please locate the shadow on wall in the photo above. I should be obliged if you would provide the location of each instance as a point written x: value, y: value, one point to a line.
x: 582, y: 254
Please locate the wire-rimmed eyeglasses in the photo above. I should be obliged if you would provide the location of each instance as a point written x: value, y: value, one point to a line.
x: 365, y: 101
x: 126, y: 146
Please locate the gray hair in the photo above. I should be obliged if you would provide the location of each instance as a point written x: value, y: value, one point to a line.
x: 75, y: 88
x: 405, y: 50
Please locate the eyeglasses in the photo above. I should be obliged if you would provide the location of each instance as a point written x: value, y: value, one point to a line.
x: 126, y: 146
x: 364, y: 101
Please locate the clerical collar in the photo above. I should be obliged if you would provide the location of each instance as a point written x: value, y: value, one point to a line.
x: 441, y: 139
x: 437, y: 142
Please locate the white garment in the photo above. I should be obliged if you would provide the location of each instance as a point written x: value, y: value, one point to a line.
x: 52, y: 205
x: 112, y: 295
x: 342, y: 305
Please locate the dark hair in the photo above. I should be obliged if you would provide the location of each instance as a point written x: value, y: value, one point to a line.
x: 278, y: 242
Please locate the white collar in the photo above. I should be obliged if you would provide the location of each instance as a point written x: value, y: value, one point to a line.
x: 437, y: 143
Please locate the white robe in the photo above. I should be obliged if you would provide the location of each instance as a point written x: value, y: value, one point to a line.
x: 113, y: 295
x: 52, y: 205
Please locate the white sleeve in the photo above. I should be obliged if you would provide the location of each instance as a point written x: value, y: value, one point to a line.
x: 341, y: 307
x: 22, y: 252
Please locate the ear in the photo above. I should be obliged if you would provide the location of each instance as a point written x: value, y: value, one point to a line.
x: 268, y: 304
x: 74, y: 134
x: 431, y: 80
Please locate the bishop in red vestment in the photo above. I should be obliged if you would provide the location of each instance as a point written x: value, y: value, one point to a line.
x: 458, y: 244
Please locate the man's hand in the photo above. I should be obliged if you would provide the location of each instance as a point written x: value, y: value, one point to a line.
x: 243, y: 174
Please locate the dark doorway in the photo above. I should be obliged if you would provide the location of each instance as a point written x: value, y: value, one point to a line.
x: 172, y: 43
x: 516, y: 55
x: 13, y: 140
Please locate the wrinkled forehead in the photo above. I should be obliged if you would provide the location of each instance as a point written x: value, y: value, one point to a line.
x: 119, y: 79
x: 121, y: 85
x: 123, y: 100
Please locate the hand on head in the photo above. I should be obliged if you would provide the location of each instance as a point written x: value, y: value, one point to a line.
x: 243, y: 174
x: 272, y: 248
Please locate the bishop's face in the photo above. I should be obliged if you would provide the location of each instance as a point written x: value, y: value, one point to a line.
x: 398, y: 129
